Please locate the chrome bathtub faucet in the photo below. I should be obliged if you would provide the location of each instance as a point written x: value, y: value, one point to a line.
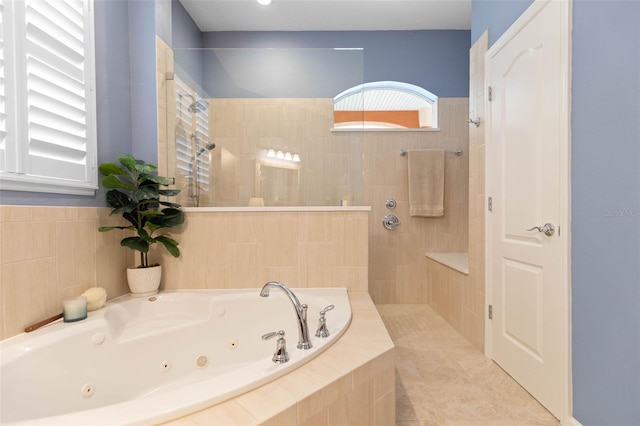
x: 304, y: 341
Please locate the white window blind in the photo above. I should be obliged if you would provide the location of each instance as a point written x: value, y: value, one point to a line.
x: 50, y: 137
x: 192, y: 134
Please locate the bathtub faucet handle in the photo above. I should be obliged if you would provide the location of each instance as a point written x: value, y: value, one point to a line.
x: 281, y: 355
x: 323, y: 331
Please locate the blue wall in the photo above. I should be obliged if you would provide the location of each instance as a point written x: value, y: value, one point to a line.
x: 496, y: 16
x: 435, y: 60
x: 185, y: 34
x: 142, y: 59
x: 605, y: 202
x: 126, y: 109
x: 606, y: 212
x: 113, y: 93
x: 281, y: 73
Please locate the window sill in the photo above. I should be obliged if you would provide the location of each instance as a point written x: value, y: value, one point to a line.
x: 48, y: 187
x: 339, y: 130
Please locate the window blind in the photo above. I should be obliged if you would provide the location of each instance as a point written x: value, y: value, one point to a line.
x: 55, y: 142
x: 191, y: 124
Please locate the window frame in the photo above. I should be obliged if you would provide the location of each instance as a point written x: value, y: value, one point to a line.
x: 17, y: 177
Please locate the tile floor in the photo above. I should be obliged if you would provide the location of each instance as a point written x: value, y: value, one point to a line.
x: 442, y: 379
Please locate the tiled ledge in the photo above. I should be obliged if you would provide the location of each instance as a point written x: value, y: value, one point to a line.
x: 457, y: 261
x: 352, y: 382
x: 278, y: 209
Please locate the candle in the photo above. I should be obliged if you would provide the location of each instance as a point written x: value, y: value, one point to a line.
x: 74, y: 309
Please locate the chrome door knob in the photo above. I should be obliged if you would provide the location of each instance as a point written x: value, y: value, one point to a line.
x: 547, y: 228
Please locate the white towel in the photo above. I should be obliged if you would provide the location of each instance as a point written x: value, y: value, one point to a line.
x: 426, y: 182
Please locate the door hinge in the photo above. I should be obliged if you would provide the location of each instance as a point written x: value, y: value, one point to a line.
x: 489, y: 93
x: 490, y: 204
x: 490, y: 311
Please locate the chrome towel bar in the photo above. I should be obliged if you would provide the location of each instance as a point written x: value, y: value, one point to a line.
x: 458, y: 152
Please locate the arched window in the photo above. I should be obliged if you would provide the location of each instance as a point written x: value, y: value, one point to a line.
x: 385, y: 105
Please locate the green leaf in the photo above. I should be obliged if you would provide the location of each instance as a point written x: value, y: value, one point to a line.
x: 169, y: 192
x: 170, y: 217
x: 145, y: 193
x: 170, y: 244
x: 144, y: 168
x: 132, y: 218
x: 135, y: 243
x: 112, y: 181
x: 168, y: 204
x: 111, y: 228
x: 111, y: 169
x: 128, y: 161
x: 117, y: 199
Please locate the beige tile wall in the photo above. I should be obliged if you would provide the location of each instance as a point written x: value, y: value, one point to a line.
x: 459, y: 298
x: 397, y: 263
x: 247, y: 249
x: 364, y: 168
x: 477, y: 197
x: 52, y: 253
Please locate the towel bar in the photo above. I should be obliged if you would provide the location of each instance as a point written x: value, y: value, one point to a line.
x: 458, y: 152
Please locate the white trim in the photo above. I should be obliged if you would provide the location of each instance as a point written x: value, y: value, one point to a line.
x: 277, y: 209
x: 13, y: 182
x: 565, y: 189
x: 390, y: 129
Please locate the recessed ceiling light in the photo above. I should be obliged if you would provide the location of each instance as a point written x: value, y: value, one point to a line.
x: 264, y: 2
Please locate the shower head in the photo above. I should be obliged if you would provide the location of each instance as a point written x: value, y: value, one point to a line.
x: 198, y: 105
x: 208, y: 146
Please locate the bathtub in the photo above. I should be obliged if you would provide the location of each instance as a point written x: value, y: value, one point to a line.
x: 149, y: 360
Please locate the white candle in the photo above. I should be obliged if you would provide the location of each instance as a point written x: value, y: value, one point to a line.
x: 74, y: 309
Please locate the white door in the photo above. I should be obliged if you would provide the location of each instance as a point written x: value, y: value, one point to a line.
x: 527, y: 181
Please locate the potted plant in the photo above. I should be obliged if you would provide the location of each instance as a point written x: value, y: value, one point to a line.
x: 135, y: 193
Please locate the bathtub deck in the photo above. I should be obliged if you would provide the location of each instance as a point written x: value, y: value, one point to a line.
x: 352, y: 382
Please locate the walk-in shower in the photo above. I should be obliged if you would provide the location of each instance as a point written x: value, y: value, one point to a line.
x: 199, y: 145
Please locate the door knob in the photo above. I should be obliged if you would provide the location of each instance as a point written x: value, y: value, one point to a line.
x: 547, y: 228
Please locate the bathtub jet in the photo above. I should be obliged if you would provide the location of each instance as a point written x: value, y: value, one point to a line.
x: 304, y: 342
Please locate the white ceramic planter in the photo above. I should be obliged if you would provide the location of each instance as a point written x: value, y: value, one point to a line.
x: 144, y: 281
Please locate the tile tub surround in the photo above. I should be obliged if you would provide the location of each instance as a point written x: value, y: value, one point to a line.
x: 352, y: 383
x: 53, y: 253
x: 245, y: 249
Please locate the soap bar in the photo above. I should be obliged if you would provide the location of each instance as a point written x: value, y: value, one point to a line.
x: 74, y: 309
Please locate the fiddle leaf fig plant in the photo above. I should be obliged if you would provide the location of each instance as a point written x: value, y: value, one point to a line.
x: 135, y: 193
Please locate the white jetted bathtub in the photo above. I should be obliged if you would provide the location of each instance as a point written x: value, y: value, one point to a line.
x: 148, y: 360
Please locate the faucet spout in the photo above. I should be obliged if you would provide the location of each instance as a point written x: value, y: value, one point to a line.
x: 304, y: 341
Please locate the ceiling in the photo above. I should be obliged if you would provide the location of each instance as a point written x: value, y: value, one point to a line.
x: 330, y: 15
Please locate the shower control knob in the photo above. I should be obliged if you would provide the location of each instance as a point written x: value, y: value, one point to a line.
x: 391, y: 204
x: 391, y: 222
